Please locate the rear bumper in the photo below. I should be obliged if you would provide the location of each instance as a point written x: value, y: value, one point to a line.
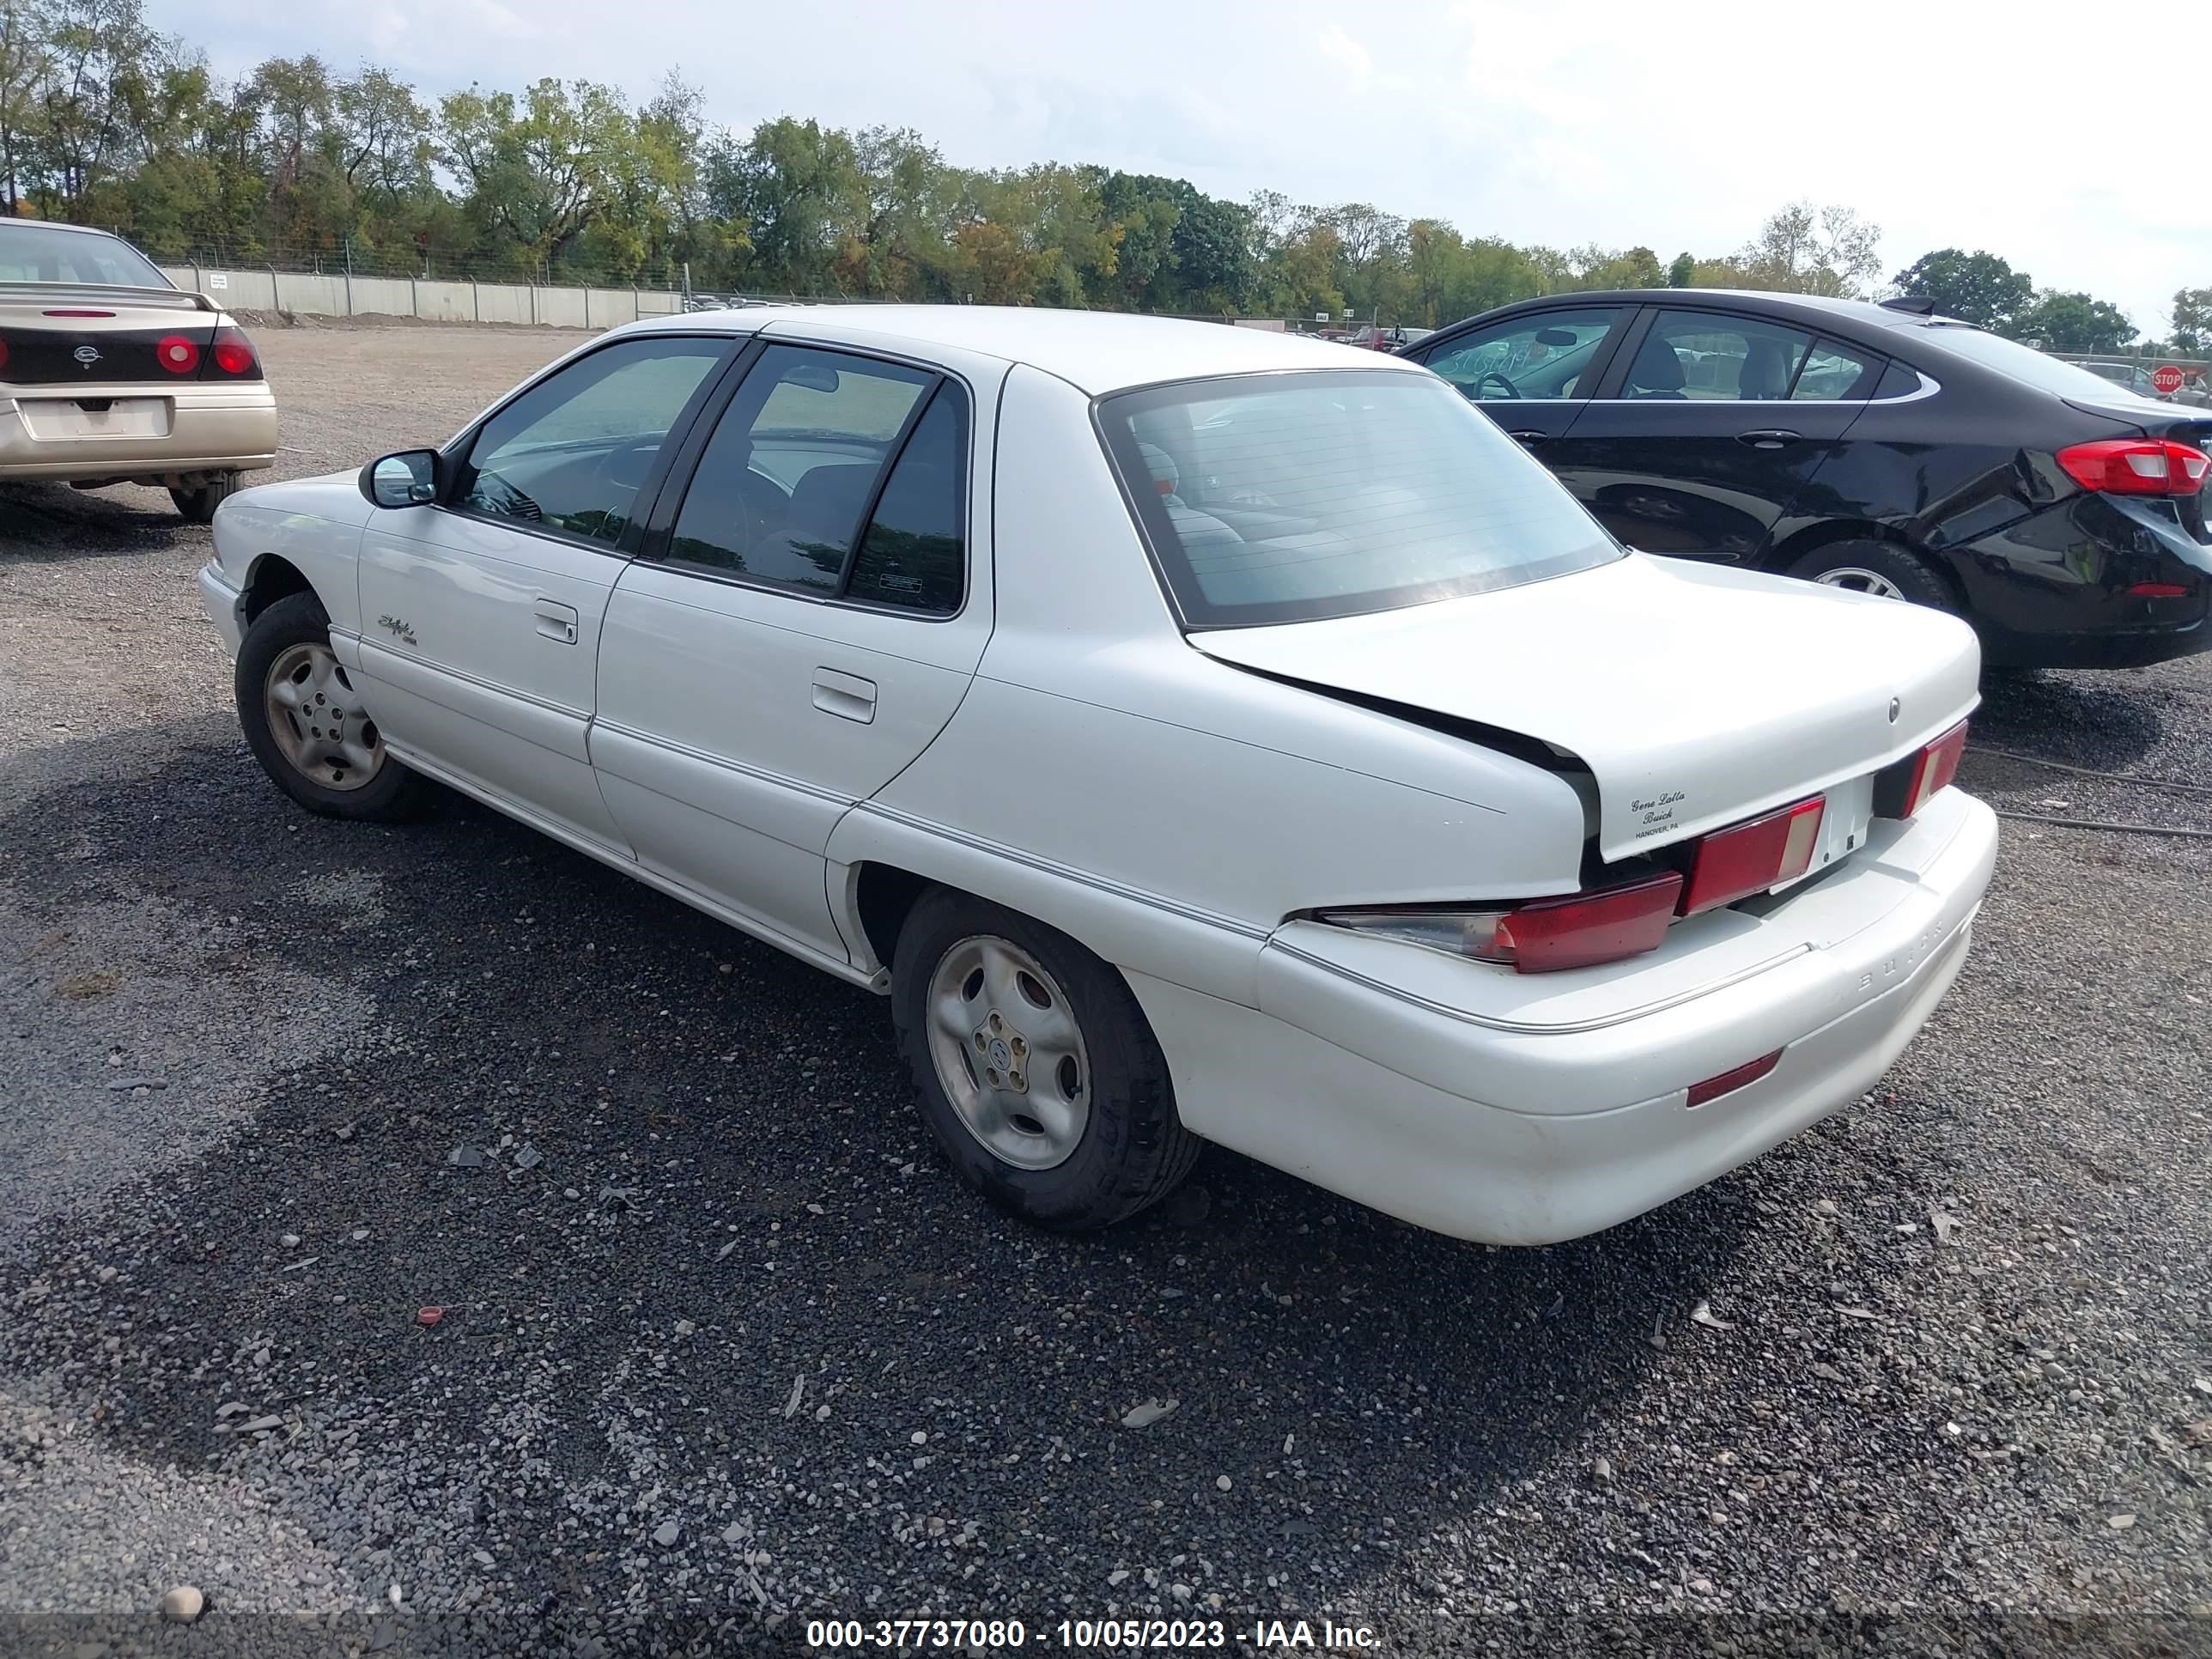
x: 1398, y: 1077
x: 209, y: 428
x: 2052, y: 591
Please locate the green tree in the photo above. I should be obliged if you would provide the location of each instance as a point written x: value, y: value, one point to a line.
x: 104, y: 59
x: 2192, y: 321
x: 2073, y: 322
x: 796, y: 186
x: 1804, y: 249
x: 1976, y: 288
x: 1682, y: 271
x: 539, y: 172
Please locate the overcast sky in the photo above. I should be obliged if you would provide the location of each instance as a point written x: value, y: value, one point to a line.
x: 1621, y: 122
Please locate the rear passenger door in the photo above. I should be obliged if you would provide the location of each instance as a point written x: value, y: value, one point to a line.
x: 1708, y: 427
x: 810, y: 604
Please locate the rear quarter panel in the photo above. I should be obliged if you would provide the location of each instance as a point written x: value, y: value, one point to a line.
x: 1169, y: 810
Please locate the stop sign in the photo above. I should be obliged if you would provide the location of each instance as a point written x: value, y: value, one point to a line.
x: 2166, y: 378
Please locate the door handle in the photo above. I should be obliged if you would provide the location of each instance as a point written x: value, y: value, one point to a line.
x: 847, y: 696
x: 1528, y: 440
x: 1767, y: 438
x: 557, y: 621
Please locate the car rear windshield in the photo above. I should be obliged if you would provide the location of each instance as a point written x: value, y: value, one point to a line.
x: 1289, y: 497
x: 41, y: 254
x: 2025, y: 363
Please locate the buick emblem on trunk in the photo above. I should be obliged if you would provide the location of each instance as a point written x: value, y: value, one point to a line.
x: 86, y: 355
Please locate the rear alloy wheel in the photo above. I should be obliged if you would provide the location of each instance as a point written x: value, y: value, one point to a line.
x: 306, y: 723
x: 1037, y: 1074
x: 1877, y: 569
x: 197, y: 505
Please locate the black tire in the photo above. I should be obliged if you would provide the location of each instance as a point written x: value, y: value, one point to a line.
x: 1920, y: 582
x: 197, y: 505
x: 1133, y: 1150
x: 392, y: 794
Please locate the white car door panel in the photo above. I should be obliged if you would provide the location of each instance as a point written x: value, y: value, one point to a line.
x: 738, y: 721
x: 481, y: 615
x: 458, y: 668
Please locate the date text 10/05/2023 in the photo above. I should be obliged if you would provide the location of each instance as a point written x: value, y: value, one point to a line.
x: 993, y: 1636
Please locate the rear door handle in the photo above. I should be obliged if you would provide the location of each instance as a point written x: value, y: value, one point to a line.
x: 557, y: 621
x: 846, y: 695
x: 1530, y: 440
x: 1767, y: 438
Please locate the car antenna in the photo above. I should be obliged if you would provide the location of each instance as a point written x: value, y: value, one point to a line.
x: 1919, y: 305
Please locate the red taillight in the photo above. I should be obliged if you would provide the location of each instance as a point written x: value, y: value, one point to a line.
x: 2136, y: 466
x: 177, y: 354
x: 2159, y: 591
x: 1750, y: 1072
x: 1733, y: 864
x: 3, y: 354
x: 1905, y: 788
x: 233, y: 352
x: 78, y: 313
x: 1588, y: 928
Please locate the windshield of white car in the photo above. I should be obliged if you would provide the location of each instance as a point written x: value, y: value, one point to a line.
x: 41, y: 254
x: 2023, y: 362
x: 1292, y: 497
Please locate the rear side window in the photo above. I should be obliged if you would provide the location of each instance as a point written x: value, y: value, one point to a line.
x: 913, y: 554
x: 1701, y: 356
x: 1289, y: 497
x: 836, y: 475
x: 1897, y: 381
x: 794, y: 462
x: 1833, y: 374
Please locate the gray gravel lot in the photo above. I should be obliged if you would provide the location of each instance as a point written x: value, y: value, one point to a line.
x: 724, y: 1348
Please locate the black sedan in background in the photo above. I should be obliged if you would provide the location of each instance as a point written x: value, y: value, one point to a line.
x: 1874, y: 447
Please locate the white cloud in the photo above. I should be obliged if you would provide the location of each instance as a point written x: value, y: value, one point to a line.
x: 1354, y: 60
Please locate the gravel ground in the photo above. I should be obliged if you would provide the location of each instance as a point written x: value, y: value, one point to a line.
x: 724, y: 1349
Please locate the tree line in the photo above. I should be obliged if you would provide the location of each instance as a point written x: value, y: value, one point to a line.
x: 104, y: 120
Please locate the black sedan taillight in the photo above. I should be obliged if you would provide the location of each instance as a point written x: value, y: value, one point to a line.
x: 2136, y: 466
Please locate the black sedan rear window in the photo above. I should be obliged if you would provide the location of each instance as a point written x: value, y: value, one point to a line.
x: 1290, y: 497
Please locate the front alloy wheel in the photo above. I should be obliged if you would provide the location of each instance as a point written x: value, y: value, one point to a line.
x: 317, y: 721
x: 308, y: 726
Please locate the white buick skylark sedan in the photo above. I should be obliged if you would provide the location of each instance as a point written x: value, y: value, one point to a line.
x: 1199, y: 734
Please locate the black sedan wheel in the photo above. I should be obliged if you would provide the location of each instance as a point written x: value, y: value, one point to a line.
x: 1876, y: 568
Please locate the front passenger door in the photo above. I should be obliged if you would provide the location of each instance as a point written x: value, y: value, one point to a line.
x: 481, y: 611
x: 1532, y: 372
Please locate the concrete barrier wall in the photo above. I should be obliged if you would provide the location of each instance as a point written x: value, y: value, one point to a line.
x: 435, y: 300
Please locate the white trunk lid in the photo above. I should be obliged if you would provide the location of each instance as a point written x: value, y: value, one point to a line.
x: 1697, y: 695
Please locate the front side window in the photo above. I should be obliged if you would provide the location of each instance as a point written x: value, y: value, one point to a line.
x: 1547, y: 354
x: 1290, y: 497
x: 1707, y: 356
x: 572, y: 453
x: 39, y: 253
x: 782, y: 486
